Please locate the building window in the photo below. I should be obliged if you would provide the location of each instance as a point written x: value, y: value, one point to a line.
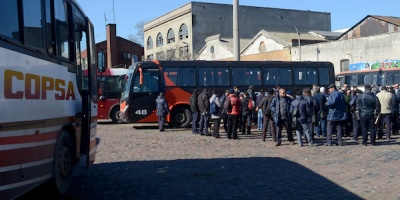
x: 212, y: 50
x: 262, y: 48
x: 150, y: 57
x: 160, y: 40
x: 183, y: 32
x: 183, y: 53
x: 170, y: 36
x: 149, y: 43
x: 171, y: 54
x: 160, y: 55
x: 344, y: 65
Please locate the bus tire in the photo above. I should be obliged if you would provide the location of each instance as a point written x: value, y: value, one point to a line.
x: 181, y: 117
x: 114, y: 115
x: 63, y: 163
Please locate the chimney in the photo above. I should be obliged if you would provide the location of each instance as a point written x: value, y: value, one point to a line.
x: 111, y: 45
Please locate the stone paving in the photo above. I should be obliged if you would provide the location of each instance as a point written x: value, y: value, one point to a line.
x: 143, y: 163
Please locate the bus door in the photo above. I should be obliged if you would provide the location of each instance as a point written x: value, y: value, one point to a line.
x: 89, y: 93
x: 146, y: 88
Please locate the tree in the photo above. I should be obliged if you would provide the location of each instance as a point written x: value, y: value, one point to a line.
x: 139, y: 36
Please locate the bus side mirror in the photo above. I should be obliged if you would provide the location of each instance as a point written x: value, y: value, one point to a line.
x: 100, y: 62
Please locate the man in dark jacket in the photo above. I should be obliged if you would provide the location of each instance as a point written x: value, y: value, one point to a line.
x: 204, y: 109
x: 320, y: 101
x: 246, y: 114
x: 369, y: 107
x: 336, y: 116
x: 280, y: 107
x: 265, y: 104
x: 162, y: 111
x: 354, y: 110
x: 303, y: 113
x: 194, y: 108
x: 312, y: 118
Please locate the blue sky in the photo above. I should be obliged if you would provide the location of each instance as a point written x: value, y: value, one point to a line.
x: 344, y: 13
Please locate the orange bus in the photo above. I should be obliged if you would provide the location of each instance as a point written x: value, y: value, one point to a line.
x: 177, y: 79
x: 48, y: 114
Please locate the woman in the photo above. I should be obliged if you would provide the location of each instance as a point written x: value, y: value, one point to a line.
x: 162, y: 111
x: 216, y: 117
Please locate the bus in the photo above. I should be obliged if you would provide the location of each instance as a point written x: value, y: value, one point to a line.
x: 376, y: 77
x: 178, y: 79
x: 48, y: 115
x: 109, y: 94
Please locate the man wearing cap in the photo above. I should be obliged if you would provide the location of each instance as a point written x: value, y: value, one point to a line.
x: 280, y: 107
x: 369, y: 106
x: 303, y: 115
x: 385, y: 99
x: 336, y: 116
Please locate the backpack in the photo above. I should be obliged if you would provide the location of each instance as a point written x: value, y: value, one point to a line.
x: 250, y: 104
x: 214, y: 109
x: 227, y: 105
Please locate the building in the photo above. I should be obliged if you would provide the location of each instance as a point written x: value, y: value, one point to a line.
x: 181, y: 33
x: 119, y: 52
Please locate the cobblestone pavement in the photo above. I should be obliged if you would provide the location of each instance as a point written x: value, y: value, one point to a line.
x: 142, y: 163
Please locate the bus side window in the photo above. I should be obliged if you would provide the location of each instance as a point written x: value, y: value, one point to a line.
x: 285, y: 76
x: 270, y: 76
x: 187, y: 77
x: 323, y: 76
x: 206, y: 77
x: 221, y: 76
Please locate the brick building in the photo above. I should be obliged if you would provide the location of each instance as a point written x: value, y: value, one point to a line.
x: 119, y: 52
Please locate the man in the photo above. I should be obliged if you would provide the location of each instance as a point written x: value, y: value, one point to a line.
x: 336, y: 115
x: 312, y: 118
x: 280, y: 107
x: 232, y: 105
x: 259, y: 109
x: 246, y: 114
x: 265, y: 104
x: 194, y: 108
x: 224, y: 115
x: 204, y: 109
x: 345, y: 87
x: 385, y: 100
x: 355, y: 113
x: 395, y: 111
x: 162, y: 111
x: 320, y: 101
x: 369, y: 106
x: 301, y: 109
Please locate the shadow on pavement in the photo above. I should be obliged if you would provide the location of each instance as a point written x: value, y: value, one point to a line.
x: 231, y: 178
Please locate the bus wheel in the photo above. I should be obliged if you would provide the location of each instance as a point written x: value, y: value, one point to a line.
x: 115, y: 115
x: 63, y: 163
x: 180, y: 117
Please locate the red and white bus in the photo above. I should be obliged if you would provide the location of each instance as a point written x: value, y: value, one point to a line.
x: 178, y: 79
x: 48, y: 115
x: 109, y: 94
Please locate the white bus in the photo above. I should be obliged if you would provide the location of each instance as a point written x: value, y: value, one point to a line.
x: 48, y: 116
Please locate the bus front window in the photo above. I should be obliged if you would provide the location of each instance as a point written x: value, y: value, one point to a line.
x: 146, y: 82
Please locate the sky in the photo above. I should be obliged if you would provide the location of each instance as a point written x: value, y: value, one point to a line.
x: 128, y: 13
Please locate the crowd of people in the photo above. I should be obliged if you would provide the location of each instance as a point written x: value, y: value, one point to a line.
x: 311, y: 112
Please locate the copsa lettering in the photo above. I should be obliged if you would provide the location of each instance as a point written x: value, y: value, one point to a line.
x: 41, y: 84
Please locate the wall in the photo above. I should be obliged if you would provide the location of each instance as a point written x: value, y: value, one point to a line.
x: 368, y: 49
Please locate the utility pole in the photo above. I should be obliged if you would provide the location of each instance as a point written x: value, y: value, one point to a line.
x: 298, y: 34
x: 236, y: 39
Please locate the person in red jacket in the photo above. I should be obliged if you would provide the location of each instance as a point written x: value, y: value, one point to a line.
x: 233, y: 106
